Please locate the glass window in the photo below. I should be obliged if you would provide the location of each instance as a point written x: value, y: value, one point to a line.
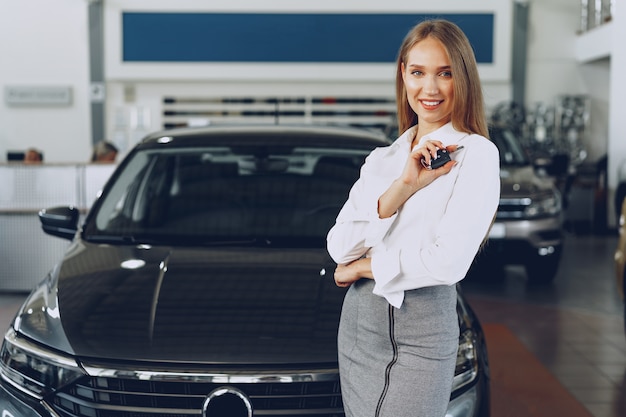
x: 511, y: 150
x: 209, y: 195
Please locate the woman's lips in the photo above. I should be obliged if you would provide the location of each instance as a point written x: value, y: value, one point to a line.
x: 430, y: 104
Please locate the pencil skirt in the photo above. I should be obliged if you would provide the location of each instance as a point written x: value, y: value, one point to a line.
x: 397, y: 362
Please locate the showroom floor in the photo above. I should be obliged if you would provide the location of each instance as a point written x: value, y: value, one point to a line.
x: 574, y: 328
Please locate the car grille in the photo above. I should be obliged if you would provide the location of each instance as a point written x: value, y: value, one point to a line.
x: 310, y: 394
x: 512, y: 208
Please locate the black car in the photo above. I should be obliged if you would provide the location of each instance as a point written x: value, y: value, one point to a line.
x: 199, y: 285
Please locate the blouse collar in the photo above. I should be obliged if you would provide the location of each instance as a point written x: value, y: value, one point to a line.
x: 447, y: 134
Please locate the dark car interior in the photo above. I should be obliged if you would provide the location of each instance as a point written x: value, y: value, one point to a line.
x: 241, y: 196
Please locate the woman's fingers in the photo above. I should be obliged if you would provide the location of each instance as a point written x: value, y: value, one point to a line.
x: 429, y: 151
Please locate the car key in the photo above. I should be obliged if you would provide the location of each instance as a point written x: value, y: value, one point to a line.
x: 443, y: 157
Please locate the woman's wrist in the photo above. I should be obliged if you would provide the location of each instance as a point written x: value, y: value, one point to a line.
x: 395, y: 196
x: 406, y: 188
x: 363, y: 268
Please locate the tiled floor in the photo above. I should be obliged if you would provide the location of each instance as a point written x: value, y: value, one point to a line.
x: 574, y: 326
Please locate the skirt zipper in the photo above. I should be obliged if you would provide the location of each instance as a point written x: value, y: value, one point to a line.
x: 394, y: 359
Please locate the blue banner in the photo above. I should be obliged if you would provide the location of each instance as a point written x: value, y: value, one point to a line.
x: 284, y: 37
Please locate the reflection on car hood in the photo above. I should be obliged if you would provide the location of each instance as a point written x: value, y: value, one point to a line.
x: 522, y: 182
x: 234, y: 305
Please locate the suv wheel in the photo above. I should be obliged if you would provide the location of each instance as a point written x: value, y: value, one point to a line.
x: 487, y: 267
x: 543, y: 269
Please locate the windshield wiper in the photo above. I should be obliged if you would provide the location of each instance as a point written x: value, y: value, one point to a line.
x: 111, y: 238
x: 208, y: 241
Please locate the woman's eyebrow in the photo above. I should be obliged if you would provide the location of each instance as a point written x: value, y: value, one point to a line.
x: 420, y: 66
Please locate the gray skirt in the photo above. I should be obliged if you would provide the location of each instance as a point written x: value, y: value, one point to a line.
x: 397, y: 362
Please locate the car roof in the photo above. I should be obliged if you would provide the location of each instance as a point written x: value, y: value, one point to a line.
x: 297, y: 135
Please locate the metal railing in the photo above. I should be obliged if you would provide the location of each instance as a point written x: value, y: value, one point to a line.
x: 594, y: 13
x: 27, y: 253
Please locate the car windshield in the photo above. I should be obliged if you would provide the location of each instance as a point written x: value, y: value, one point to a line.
x: 511, y: 151
x: 250, y: 195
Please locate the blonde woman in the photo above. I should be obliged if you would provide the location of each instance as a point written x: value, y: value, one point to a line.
x: 408, y: 233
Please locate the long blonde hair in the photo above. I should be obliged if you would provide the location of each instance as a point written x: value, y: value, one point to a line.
x: 468, y: 111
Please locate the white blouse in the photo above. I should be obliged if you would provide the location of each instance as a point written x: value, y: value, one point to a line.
x: 433, y: 238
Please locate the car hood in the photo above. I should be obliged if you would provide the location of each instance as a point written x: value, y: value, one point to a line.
x: 170, y: 304
x: 522, y: 181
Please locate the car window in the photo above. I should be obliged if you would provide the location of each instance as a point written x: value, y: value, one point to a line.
x: 259, y: 195
x: 511, y: 150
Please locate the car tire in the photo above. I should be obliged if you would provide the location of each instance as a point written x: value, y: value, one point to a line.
x: 487, y: 267
x: 543, y: 269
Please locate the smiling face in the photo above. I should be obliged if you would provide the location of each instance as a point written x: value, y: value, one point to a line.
x: 427, y: 76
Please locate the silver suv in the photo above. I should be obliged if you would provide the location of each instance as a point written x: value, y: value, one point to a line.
x: 529, y: 224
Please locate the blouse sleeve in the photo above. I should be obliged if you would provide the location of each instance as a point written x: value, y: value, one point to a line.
x: 466, y: 220
x: 358, y: 226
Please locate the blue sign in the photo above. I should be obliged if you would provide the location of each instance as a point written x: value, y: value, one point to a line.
x: 284, y: 37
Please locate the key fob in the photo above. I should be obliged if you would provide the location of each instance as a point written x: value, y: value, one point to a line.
x: 443, y: 157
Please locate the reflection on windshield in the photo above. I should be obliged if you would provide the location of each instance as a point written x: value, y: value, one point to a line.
x: 206, y: 195
x: 511, y: 151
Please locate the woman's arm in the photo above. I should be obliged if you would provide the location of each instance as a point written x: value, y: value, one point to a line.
x: 414, y: 177
x: 358, y: 226
x: 465, y: 221
x: 348, y: 274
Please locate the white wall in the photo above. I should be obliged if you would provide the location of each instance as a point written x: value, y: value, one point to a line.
x: 551, y: 64
x: 553, y: 70
x: 44, y: 43
x: 596, y: 79
x: 617, y: 95
x: 135, y: 90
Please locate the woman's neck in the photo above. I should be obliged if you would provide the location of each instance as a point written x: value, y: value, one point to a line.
x: 423, y: 130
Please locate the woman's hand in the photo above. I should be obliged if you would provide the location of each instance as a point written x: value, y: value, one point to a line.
x: 415, y: 175
x: 348, y: 274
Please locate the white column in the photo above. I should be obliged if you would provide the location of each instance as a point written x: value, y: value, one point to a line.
x: 617, y: 102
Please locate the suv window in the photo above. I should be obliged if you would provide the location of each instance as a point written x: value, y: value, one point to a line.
x: 235, y: 194
x: 511, y: 151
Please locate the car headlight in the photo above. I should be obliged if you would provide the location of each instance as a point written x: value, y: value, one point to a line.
x: 33, y: 370
x: 547, y: 205
x: 466, y: 361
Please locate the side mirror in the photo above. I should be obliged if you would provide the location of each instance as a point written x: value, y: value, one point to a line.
x: 60, y: 221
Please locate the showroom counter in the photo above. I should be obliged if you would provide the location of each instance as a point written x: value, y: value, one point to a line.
x: 26, y: 253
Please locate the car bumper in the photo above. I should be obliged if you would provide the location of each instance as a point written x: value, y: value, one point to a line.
x: 536, y: 232
x: 468, y: 404
x: 527, y: 235
x: 11, y: 406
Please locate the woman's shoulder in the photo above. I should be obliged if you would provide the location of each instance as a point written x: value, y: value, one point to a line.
x: 480, y: 151
x: 480, y: 142
x: 402, y: 142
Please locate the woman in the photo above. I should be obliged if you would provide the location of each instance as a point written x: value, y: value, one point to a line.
x: 408, y: 234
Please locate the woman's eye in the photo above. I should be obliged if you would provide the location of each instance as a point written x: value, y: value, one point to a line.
x: 447, y: 74
x: 416, y: 73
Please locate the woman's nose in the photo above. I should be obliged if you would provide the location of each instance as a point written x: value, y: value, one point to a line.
x: 431, y: 87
